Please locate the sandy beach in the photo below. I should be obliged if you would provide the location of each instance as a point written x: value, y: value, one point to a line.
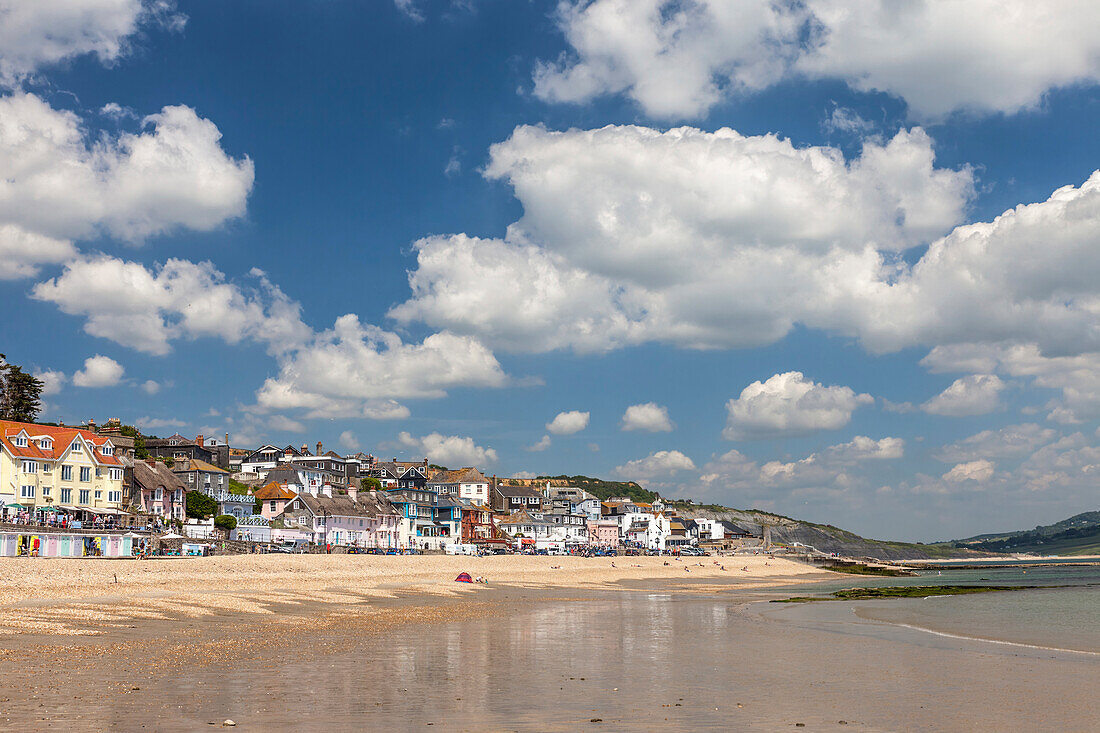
x: 361, y: 643
x: 62, y: 596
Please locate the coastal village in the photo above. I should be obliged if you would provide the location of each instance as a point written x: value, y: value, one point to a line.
x: 106, y: 490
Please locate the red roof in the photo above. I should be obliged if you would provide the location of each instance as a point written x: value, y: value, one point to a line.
x: 62, y: 438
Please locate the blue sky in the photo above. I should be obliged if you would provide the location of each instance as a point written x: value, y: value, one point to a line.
x: 433, y: 227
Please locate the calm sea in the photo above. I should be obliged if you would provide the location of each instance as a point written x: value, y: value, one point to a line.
x: 1062, y: 612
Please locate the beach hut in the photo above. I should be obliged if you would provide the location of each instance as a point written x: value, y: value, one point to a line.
x: 464, y: 578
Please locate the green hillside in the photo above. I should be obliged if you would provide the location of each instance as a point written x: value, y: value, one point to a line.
x: 1078, y: 535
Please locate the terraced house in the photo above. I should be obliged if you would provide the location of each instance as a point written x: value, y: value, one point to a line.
x: 43, y: 466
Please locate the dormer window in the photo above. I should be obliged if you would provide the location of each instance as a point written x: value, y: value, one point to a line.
x: 76, y: 447
x: 45, y: 444
x: 20, y: 441
x: 107, y: 450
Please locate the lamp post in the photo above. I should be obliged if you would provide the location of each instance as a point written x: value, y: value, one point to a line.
x: 324, y: 524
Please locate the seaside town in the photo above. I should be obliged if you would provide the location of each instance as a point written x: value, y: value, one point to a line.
x: 108, y: 491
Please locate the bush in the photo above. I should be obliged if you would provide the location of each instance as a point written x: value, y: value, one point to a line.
x: 225, y: 521
x: 370, y: 483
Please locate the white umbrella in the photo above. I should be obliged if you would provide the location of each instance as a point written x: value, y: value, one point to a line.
x: 171, y: 536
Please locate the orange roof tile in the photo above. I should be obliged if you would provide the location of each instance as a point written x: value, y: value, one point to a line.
x: 62, y: 438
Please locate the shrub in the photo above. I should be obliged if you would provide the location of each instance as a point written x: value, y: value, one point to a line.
x: 225, y: 521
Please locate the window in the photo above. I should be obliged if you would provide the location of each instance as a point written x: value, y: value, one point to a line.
x: 46, y: 491
x: 98, y: 472
x: 19, y: 441
x: 158, y: 495
x: 30, y: 467
x: 114, y: 496
x: 26, y: 492
x: 98, y: 494
x: 107, y: 450
x: 66, y: 496
x: 85, y: 473
x: 76, y: 447
x: 116, y: 474
x: 85, y: 496
x: 66, y: 473
x: 45, y: 444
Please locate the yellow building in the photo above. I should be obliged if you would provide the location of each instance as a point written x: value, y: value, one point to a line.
x: 70, y: 469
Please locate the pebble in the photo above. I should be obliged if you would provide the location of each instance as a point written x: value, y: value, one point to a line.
x: 228, y: 723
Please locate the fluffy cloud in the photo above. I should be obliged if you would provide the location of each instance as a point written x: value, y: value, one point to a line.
x: 830, y: 473
x: 60, y: 185
x: 348, y: 441
x: 790, y: 404
x: 99, y: 371
x: 449, y: 450
x: 649, y: 416
x: 976, y: 394
x: 541, y: 445
x: 155, y: 423
x: 1077, y: 376
x: 704, y: 240
x: 978, y: 471
x: 677, y: 60
x: 143, y: 308
x: 348, y: 369
x: 37, y: 34
x: 150, y: 387
x: 567, y: 423
x: 22, y: 253
x: 52, y: 381
x: 1013, y: 441
x: 661, y: 464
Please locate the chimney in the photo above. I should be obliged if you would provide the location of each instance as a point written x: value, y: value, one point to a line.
x: 425, y: 463
x: 318, y: 447
x: 395, y: 459
x: 91, y: 424
x: 227, y: 440
x: 151, y: 461
x: 326, y: 490
x: 200, y: 440
x: 305, y: 451
x: 353, y: 493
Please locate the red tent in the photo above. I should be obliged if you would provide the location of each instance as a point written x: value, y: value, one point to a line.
x: 464, y: 578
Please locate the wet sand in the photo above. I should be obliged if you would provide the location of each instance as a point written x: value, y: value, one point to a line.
x: 648, y: 648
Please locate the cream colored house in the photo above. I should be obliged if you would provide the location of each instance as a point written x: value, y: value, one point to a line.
x: 67, y: 468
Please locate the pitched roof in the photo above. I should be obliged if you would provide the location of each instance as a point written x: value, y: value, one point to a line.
x: 157, y: 475
x: 62, y: 438
x: 459, y: 476
x: 366, y: 504
x: 194, y: 464
x: 274, y: 490
x: 517, y: 491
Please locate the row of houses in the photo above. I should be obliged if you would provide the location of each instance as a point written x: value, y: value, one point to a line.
x: 320, y: 497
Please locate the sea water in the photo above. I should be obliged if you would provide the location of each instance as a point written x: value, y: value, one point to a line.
x: 1062, y: 612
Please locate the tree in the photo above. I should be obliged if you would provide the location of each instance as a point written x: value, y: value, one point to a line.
x: 225, y: 522
x: 20, y: 393
x: 370, y: 484
x: 200, y: 506
x: 139, y: 441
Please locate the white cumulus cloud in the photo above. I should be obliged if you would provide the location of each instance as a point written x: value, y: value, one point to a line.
x: 567, y: 423
x: 678, y: 60
x: 649, y: 417
x: 976, y: 394
x: 35, y: 34
x: 978, y: 471
x: 99, y: 371
x: 660, y: 464
x: 790, y: 404
x: 448, y: 450
x: 702, y: 240
x: 52, y: 381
